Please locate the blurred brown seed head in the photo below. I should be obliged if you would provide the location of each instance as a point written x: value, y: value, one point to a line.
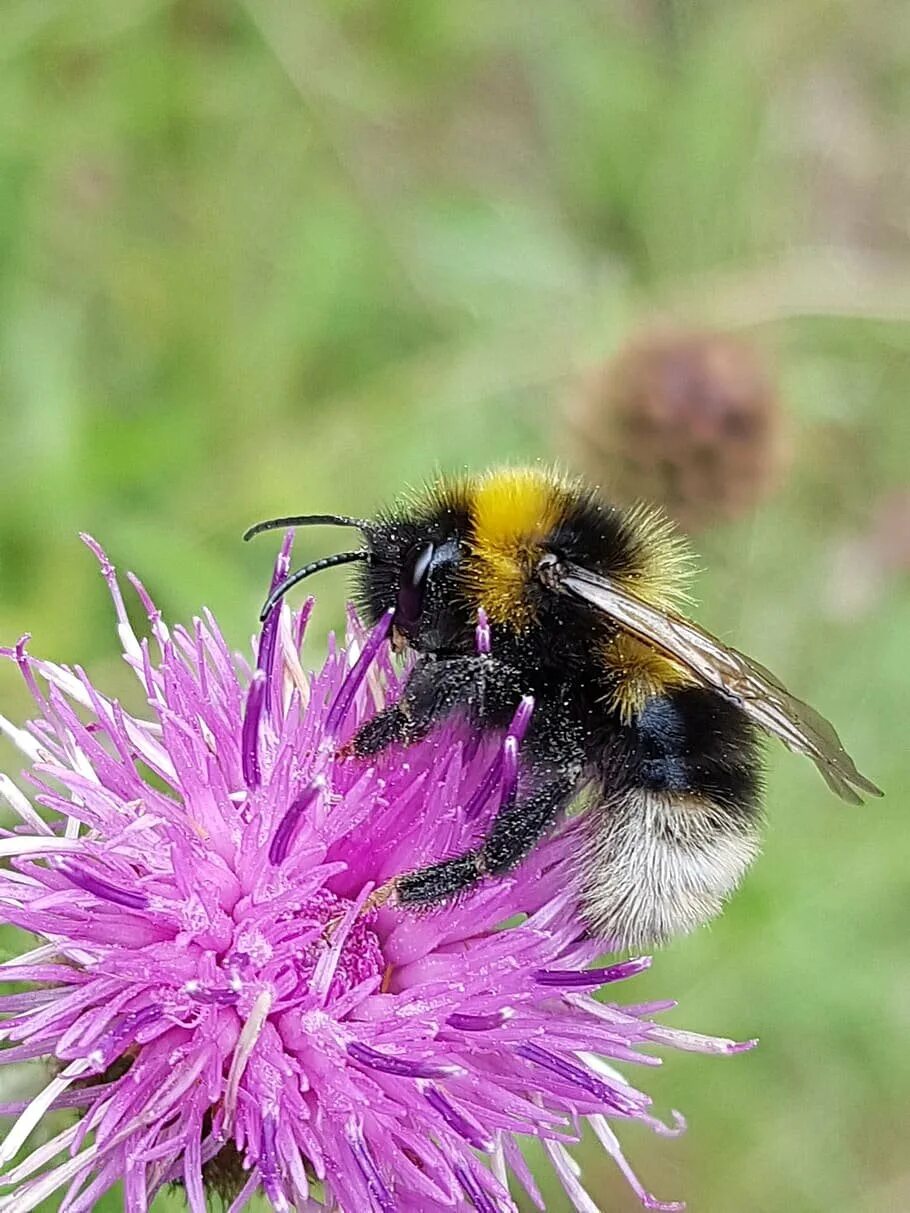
x: 689, y: 420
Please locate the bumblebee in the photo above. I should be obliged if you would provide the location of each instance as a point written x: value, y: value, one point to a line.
x: 632, y: 699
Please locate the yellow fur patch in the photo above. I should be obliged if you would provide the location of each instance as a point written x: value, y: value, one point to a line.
x: 641, y: 674
x: 514, y: 506
x: 513, y: 510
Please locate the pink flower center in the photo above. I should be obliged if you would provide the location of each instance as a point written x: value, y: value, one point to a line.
x: 292, y: 955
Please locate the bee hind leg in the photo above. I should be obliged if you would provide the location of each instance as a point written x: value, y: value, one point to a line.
x: 517, y: 828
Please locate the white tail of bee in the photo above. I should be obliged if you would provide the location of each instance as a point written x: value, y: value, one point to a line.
x: 658, y: 865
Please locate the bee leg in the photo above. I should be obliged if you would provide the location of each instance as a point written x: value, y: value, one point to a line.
x: 439, y: 882
x: 480, y: 685
x: 384, y: 729
x: 516, y: 829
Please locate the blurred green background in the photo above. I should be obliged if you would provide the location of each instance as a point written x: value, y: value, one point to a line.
x: 269, y: 256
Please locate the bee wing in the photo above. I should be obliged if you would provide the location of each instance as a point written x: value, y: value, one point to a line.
x: 754, y: 689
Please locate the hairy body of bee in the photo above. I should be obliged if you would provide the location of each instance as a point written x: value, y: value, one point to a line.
x: 579, y: 604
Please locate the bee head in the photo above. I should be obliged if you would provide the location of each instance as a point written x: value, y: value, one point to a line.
x: 411, y: 563
x: 415, y: 568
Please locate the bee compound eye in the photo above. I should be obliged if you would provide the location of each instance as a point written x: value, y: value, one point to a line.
x: 413, y: 583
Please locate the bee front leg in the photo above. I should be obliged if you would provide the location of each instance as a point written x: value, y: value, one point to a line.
x: 479, y: 685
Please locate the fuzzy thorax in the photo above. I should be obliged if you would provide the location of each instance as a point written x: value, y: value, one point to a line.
x: 516, y: 514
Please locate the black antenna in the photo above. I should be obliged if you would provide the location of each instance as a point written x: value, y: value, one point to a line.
x: 327, y: 562
x: 274, y: 524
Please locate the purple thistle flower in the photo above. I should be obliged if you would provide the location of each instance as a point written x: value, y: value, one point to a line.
x: 209, y: 987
